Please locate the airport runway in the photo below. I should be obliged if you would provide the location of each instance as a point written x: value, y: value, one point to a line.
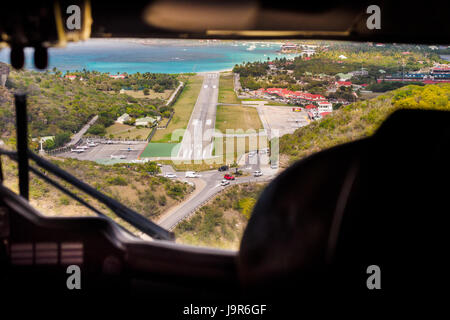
x: 116, y: 151
x: 197, y: 141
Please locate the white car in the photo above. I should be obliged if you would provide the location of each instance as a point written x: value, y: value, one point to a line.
x: 170, y: 175
x: 274, y: 166
x: 224, y: 182
x: 120, y: 156
x: 159, y: 164
x: 192, y: 174
x: 257, y: 173
x: 109, y: 142
x: 92, y: 144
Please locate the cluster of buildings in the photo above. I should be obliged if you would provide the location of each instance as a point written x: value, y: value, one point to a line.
x: 316, y: 105
x: 440, y: 73
x: 303, y: 49
x: 144, y: 122
x: 117, y: 76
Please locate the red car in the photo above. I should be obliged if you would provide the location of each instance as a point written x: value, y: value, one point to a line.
x: 228, y: 177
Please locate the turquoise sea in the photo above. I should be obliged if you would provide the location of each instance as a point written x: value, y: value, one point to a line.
x: 158, y: 56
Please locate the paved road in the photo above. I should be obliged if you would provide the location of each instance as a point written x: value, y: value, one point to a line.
x: 83, y: 130
x: 174, y: 93
x: 212, y: 187
x: 197, y: 141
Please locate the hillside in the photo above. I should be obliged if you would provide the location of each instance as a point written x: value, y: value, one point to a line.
x: 130, y: 184
x: 222, y: 221
x: 360, y: 119
x: 58, y: 105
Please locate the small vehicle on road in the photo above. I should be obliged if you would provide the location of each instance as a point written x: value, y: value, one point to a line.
x: 223, y: 168
x: 192, y: 174
x: 274, y: 165
x: 257, y: 173
x: 170, y: 175
x: 224, y: 183
x: 109, y: 142
x: 229, y: 177
x: 120, y: 156
x: 159, y: 164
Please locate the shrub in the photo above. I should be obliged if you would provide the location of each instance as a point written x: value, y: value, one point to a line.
x: 117, y: 181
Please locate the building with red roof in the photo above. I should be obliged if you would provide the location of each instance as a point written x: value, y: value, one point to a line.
x: 343, y: 83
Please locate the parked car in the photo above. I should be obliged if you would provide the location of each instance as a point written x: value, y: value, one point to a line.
x: 170, y: 175
x: 224, y: 182
x: 223, y: 168
x: 274, y: 165
x: 159, y: 164
x: 228, y: 177
x: 257, y: 173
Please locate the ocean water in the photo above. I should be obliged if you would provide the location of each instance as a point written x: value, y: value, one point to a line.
x: 158, y: 56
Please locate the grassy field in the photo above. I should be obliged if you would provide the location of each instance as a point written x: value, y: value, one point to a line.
x: 152, y: 94
x: 233, y: 148
x: 183, y: 108
x: 237, y: 117
x: 123, y: 131
x: 159, y: 150
x: 226, y: 89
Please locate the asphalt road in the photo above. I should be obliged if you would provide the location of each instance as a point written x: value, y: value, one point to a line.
x: 83, y: 130
x: 197, y: 141
x: 213, y: 186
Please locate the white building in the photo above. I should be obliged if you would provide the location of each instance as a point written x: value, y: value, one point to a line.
x: 325, y: 106
x: 123, y: 118
x: 145, y: 121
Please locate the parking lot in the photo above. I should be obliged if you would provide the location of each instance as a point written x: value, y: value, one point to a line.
x: 282, y: 119
x: 117, y: 151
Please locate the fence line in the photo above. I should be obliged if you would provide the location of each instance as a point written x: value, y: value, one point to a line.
x: 168, y: 121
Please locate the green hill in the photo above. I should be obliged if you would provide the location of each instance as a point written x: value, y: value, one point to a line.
x: 361, y: 119
x: 58, y: 105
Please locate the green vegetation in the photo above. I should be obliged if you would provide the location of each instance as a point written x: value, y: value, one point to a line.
x: 361, y: 119
x: 123, y: 131
x: 389, y: 85
x: 226, y: 89
x: 183, y: 108
x: 135, y: 185
x: 222, y: 221
x: 61, y: 106
x: 320, y: 71
x: 237, y: 117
